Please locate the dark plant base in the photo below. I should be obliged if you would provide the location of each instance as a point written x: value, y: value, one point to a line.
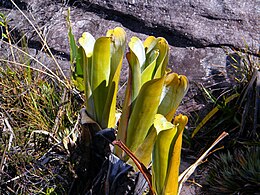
x: 99, y: 171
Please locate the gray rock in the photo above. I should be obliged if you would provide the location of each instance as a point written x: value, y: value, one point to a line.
x: 197, y: 31
x: 204, y: 23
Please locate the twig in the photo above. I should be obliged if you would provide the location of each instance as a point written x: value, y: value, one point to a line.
x: 3, y: 160
x: 15, y: 178
x: 36, y: 60
x: 45, y: 133
x: 75, y: 127
x: 194, y: 182
x: 139, y: 164
x: 11, y: 133
x: 187, y: 173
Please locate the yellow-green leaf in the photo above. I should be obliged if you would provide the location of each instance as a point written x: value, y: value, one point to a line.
x: 150, y: 43
x: 143, y: 113
x: 171, y: 181
x: 175, y: 88
x: 147, y: 74
x: 166, y: 132
x: 144, y: 151
x: 118, y: 43
x: 87, y: 41
x: 136, y: 46
x: 100, y: 72
x: 163, y: 58
x: 161, y: 123
x: 135, y: 72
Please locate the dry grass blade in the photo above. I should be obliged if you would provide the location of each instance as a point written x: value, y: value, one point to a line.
x: 52, y: 74
x: 45, y: 133
x: 187, y: 173
x: 8, y: 127
x: 60, y: 112
x: 36, y: 69
x: 42, y: 39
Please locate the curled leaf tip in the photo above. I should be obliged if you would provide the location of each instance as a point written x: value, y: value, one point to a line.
x: 87, y: 41
x: 181, y: 119
x: 161, y: 123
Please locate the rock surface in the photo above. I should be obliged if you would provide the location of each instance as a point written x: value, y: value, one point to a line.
x: 200, y: 32
x: 198, y: 23
x: 196, y: 30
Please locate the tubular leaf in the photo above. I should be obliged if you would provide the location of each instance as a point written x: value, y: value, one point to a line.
x: 143, y: 113
x: 171, y: 181
x: 100, y: 72
x: 118, y: 43
x: 165, y: 134
x: 175, y: 88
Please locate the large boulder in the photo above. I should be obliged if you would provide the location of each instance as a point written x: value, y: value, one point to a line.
x: 199, y: 32
x: 199, y: 23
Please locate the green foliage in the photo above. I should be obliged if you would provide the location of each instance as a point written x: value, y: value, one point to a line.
x: 29, y: 105
x: 96, y: 70
x: 151, y: 90
x: 167, y: 153
x: 237, y: 110
x: 50, y: 191
x: 34, y: 100
x: 235, y: 172
x: 3, y: 25
x: 220, y: 106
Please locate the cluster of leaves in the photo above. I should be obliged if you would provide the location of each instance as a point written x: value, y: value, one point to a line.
x: 237, y: 110
x: 235, y: 172
x: 151, y: 99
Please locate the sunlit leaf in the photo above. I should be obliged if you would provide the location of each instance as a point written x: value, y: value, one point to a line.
x: 100, y: 75
x: 143, y: 113
x: 147, y: 74
x: 166, y: 132
x: 87, y: 41
x: 118, y: 44
x: 136, y: 46
x: 161, y: 123
x: 135, y: 66
x: 163, y: 58
x: 175, y: 88
x: 171, y: 181
x: 150, y: 43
